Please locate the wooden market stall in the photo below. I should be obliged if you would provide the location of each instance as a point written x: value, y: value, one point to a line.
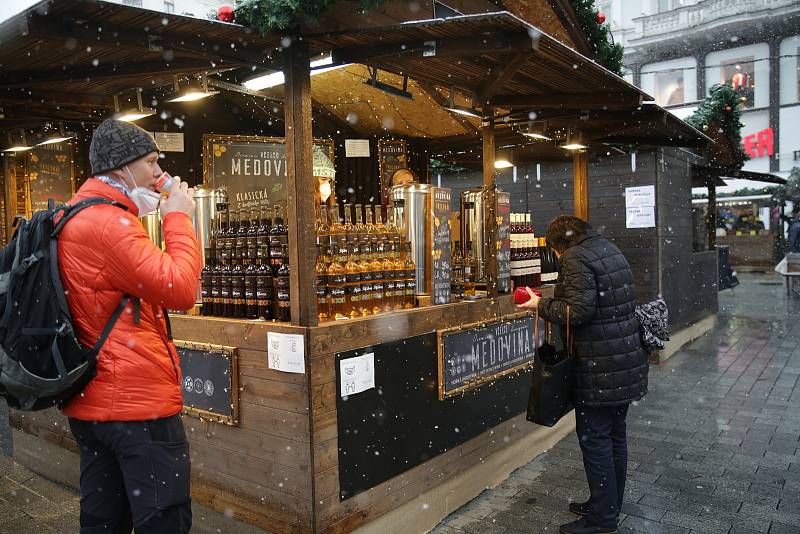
x: 283, y: 438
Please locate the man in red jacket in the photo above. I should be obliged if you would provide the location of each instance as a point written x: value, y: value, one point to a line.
x: 134, y: 455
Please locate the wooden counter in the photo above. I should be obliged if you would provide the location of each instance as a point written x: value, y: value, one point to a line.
x: 279, y: 468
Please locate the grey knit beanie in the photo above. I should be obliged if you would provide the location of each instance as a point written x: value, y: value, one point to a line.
x: 117, y: 143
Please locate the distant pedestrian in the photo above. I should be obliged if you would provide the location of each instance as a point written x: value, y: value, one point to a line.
x: 794, y: 230
x: 596, y: 283
x: 134, y: 457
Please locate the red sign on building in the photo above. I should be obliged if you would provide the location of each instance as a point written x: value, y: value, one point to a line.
x: 759, y: 144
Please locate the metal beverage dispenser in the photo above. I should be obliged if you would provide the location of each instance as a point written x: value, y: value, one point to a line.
x: 420, y: 210
x: 208, y: 202
x: 473, y: 232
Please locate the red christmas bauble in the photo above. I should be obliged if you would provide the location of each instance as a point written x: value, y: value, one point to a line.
x: 601, y: 17
x: 225, y: 13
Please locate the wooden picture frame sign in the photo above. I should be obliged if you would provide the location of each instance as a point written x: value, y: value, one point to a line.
x: 210, y: 384
x: 392, y: 156
x: 252, y: 168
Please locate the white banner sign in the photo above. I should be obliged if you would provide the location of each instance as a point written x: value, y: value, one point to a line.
x: 356, y: 148
x: 637, y: 197
x: 357, y: 374
x: 169, y: 141
x: 644, y: 217
x: 286, y: 352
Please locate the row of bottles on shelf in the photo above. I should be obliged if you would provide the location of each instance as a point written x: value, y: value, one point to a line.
x: 368, y: 222
x: 358, y: 277
x: 533, y: 262
x: 463, y: 273
x: 246, y: 273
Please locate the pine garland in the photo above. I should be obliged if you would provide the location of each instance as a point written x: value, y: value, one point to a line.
x: 267, y: 16
x: 604, y: 53
x: 721, y: 108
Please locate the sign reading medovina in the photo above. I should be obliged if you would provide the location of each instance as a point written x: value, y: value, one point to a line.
x: 251, y: 168
x: 469, y: 357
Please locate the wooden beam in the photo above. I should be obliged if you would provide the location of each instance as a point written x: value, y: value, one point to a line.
x: 501, y: 74
x: 430, y: 90
x: 570, y: 101
x: 459, y: 46
x: 580, y: 171
x: 105, y: 36
x: 82, y: 74
x: 299, y: 140
x: 490, y: 221
x: 58, y: 98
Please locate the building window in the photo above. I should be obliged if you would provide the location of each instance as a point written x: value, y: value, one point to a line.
x: 669, y: 88
x: 134, y: 3
x: 169, y: 7
x: 740, y: 74
x: 664, y: 5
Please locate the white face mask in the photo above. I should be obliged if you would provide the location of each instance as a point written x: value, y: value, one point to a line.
x: 324, y: 190
x: 146, y: 200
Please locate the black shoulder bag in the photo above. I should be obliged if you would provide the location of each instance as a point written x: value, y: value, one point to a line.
x: 550, y: 398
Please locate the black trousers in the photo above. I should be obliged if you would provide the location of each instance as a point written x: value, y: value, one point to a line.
x: 134, y: 474
x: 604, y: 443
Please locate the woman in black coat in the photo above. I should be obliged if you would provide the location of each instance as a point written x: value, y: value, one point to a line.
x: 596, y: 283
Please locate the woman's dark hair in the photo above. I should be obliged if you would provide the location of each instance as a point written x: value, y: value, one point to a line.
x: 565, y: 231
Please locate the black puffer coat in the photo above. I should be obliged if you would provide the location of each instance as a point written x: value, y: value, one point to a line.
x: 596, y: 281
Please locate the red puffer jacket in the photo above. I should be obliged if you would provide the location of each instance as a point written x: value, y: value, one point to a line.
x: 104, y: 253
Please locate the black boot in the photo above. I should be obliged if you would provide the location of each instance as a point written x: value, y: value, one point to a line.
x: 579, y: 526
x: 580, y: 508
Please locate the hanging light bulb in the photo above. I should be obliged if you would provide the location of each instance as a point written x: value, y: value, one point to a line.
x: 195, y: 91
x: 55, y: 137
x: 575, y: 141
x: 133, y: 114
x: 22, y: 146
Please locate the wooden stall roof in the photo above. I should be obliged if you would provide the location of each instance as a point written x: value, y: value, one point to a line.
x: 71, y: 56
x: 711, y: 172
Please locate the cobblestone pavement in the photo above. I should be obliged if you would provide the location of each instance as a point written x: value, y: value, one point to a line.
x: 713, y: 447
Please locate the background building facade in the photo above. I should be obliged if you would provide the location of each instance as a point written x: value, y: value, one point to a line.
x: 676, y: 50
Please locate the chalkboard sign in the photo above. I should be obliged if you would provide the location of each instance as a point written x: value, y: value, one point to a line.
x: 50, y: 174
x: 210, y: 381
x: 392, y: 156
x: 503, y: 243
x: 475, y: 354
x: 251, y: 168
x: 440, y: 230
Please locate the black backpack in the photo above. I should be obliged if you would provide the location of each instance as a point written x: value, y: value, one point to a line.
x: 42, y: 364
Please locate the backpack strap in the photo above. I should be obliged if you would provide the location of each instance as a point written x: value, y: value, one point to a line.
x: 111, y: 322
x: 69, y: 211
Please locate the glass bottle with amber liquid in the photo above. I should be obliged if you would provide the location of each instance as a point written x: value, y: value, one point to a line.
x: 380, y: 228
x: 369, y: 222
x: 282, y: 296
x: 410, y: 271
x: 377, y: 274
x: 226, y: 289
x: 365, y: 267
x: 321, y: 270
x: 457, y: 274
x: 206, y: 282
x: 265, y: 289
x: 388, y: 276
x: 337, y: 228
x: 251, y: 284
x: 359, y: 228
x: 470, y: 272
x: 278, y: 237
x: 337, y: 280
x: 399, y: 275
x: 349, y: 228
x: 353, y: 288
x: 237, y: 284
x: 323, y: 227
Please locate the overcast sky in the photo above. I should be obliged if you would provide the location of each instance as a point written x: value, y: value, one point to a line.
x: 12, y: 7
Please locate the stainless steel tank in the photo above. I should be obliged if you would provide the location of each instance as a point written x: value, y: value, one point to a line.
x: 473, y: 227
x: 411, y: 205
x: 152, y: 226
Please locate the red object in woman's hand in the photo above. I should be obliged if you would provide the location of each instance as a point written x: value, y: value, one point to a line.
x: 521, y: 295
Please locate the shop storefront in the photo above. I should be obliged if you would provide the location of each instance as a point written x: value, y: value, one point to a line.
x: 355, y: 357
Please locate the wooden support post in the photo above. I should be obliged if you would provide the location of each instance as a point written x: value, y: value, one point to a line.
x: 490, y: 219
x: 299, y: 140
x: 580, y: 171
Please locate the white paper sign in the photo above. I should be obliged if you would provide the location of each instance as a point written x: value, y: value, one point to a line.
x: 356, y: 148
x: 637, y: 197
x: 169, y: 141
x: 643, y: 217
x: 357, y: 374
x: 286, y: 352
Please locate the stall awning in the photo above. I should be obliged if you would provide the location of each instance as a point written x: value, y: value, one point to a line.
x: 63, y: 59
x: 706, y: 172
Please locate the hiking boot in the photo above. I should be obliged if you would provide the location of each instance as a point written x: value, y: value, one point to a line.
x: 580, y: 508
x: 579, y: 526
